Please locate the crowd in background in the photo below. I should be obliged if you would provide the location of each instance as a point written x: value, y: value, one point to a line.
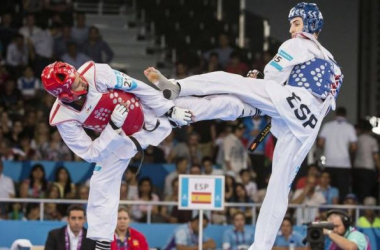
x: 39, y: 35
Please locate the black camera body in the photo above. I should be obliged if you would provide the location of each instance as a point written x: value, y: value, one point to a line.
x: 315, y: 236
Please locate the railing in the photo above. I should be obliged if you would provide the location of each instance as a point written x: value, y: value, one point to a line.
x: 253, y: 206
x: 101, y: 7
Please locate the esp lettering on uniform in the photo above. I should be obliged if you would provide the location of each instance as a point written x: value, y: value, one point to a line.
x: 201, y: 186
x: 302, y: 112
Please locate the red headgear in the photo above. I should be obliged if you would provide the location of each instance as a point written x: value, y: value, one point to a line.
x: 57, y: 79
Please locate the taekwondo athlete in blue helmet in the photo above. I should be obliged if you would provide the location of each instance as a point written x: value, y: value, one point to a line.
x: 300, y: 86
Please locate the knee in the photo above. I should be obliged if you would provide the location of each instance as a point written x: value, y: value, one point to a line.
x: 233, y: 107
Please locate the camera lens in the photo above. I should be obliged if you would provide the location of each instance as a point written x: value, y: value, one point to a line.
x: 315, y: 234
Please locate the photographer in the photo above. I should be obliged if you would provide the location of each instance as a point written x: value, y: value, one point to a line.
x: 344, y: 236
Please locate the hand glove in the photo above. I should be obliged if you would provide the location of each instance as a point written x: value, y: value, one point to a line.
x: 253, y: 73
x: 118, y: 116
x: 179, y: 116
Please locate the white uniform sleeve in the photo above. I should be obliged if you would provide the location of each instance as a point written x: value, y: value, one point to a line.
x: 90, y: 150
x: 149, y: 94
x: 290, y: 53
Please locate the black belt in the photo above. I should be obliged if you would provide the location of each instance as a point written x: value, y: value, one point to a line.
x: 140, y: 150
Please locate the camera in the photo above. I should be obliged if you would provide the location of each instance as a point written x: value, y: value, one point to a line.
x: 315, y: 236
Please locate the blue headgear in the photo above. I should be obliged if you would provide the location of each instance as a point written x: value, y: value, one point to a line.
x: 311, y: 16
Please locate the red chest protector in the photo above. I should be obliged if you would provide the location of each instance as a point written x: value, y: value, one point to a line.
x: 97, y: 110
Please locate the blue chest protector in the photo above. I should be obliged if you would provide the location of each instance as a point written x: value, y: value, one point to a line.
x: 317, y: 76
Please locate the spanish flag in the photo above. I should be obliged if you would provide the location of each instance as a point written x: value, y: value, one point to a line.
x: 201, y: 198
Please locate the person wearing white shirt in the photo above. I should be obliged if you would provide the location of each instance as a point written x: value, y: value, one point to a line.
x: 208, y: 167
x: 74, y: 57
x: 29, y: 29
x: 338, y: 139
x: 7, y: 188
x: 72, y: 236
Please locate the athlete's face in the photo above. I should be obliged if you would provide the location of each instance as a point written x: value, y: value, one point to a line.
x: 296, y: 25
x: 79, y: 84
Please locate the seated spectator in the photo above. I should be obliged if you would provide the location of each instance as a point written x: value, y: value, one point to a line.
x: 16, y: 212
x: 241, y: 196
x: 123, y: 190
x: 55, y: 149
x: 32, y: 212
x: 186, y: 236
x: 83, y: 193
x: 25, y: 145
x: 287, y: 236
x: 208, y: 167
x: 213, y: 63
x: 154, y: 155
x: 74, y: 57
x: 17, y: 55
x: 181, y: 71
x: 5, y: 123
x: 223, y: 51
x: 189, y: 150
x: 36, y: 185
x: 180, y: 168
x: 7, y: 32
x: 312, y: 169
x: 145, y: 193
x: 60, y: 42
x: 96, y: 48
x: 79, y: 32
x: 238, y: 237
x: 331, y: 193
x: 29, y: 29
x: 131, y: 179
x: 236, y: 66
x: 127, y: 238
x: 166, y: 210
x: 16, y: 133
x: 28, y: 84
x: 370, y: 219
x: 11, y: 99
x: 73, y: 234
x: 250, y: 186
x: 229, y: 188
x: 195, y: 169
x: 4, y: 75
x: 51, y: 212
x: 167, y: 145
x: 308, y: 196
x: 63, y: 181
x: 9, y: 153
x: 344, y: 236
x: 352, y: 200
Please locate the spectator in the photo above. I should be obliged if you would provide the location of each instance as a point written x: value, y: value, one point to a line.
x: 236, y: 66
x: 181, y: 71
x: 313, y: 170
x: 73, y: 234
x: 189, y: 150
x: 145, y: 193
x: 29, y: 29
x: 83, y: 193
x: 195, y: 169
x: 213, y: 63
x: 5, y: 123
x: 167, y: 145
x: 344, y: 236
x: 11, y: 98
x: 308, y: 196
x: 9, y: 153
x: 229, y: 188
x: 25, y: 145
x: 331, y: 194
x: 28, y: 84
x: 16, y: 212
x: 32, y: 212
x: 338, y: 139
x: 41, y: 47
x: 370, y: 218
x: 51, y: 212
x: 235, y: 154
x: 36, y: 185
x: 74, y: 57
x: 238, y: 237
x: 15, y: 135
x: 60, y: 42
x: 7, y: 32
x: 366, y: 162
x: 250, y: 186
x: 131, y: 179
x: 171, y: 213
x: 180, y: 168
x: 123, y: 190
x: 127, y: 238
x: 352, y: 200
x: 241, y: 196
x: 79, y: 33
x: 96, y: 48
x: 224, y: 50
x: 186, y: 236
x: 7, y: 188
x: 4, y: 75
x: 208, y: 167
x: 55, y: 149
x: 63, y: 181
x: 207, y: 135
x: 17, y: 55
x: 154, y: 155
x: 287, y: 236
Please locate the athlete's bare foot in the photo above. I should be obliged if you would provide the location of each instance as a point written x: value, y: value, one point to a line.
x: 152, y: 75
x: 169, y: 89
